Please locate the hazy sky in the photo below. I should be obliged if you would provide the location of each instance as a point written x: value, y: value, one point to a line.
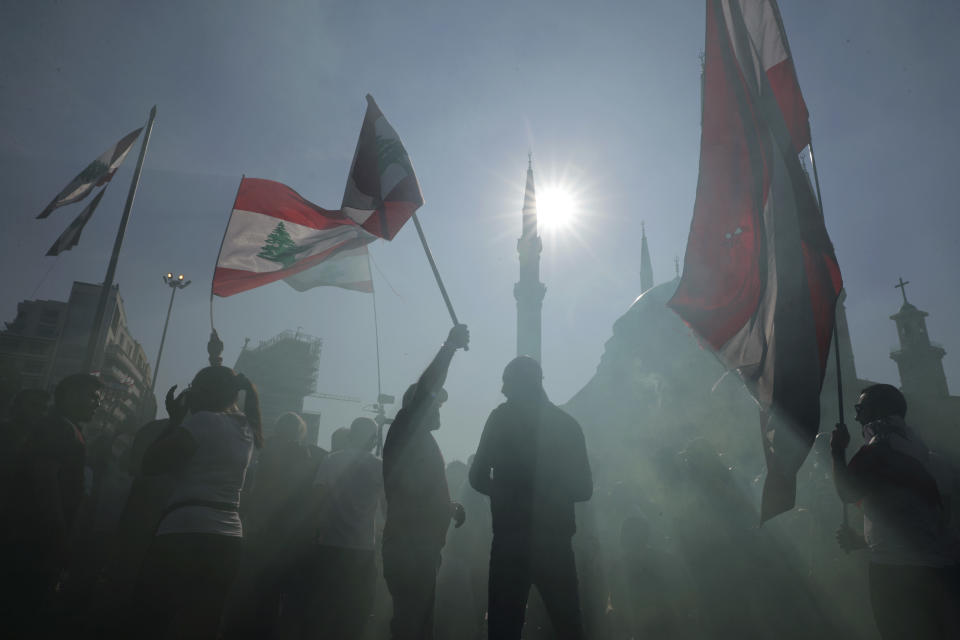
x: 606, y: 95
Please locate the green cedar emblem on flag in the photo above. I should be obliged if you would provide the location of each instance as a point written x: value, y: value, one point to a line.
x: 391, y: 151
x: 382, y: 190
x: 97, y: 173
x: 280, y: 247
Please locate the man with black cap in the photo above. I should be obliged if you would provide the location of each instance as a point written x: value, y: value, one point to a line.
x: 904, y: 490
x: 532, y: 462
x: 419, y: 509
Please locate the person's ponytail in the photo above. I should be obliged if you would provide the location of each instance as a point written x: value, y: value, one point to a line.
x: 251, y: 408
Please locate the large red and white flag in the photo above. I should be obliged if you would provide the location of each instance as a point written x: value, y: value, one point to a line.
x: 275, y: 234
x: 760, y: 278
x: 97, y: 173
x: 382, y: 190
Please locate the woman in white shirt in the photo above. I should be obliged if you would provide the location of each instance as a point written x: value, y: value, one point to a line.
x: 196, y: 549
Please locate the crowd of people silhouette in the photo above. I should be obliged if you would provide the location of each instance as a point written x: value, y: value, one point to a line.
x: 219, y: 532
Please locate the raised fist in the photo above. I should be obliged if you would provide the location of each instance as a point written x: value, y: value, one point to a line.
x: 459, y: 337
x: 176, y: 405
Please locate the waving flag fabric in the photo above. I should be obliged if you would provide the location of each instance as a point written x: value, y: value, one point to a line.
x: 347, y: 269
x: 767, y: 49
x: 71, y: 236
x: 382, y: 190
x: 274, y: 234
x: 760, y: 278
x: 97, y: 173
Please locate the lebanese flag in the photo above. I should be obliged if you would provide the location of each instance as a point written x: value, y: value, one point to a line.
x: 760, y: 278
x: 97, y: 173
x: 274, y: 234
x: 382, y: 190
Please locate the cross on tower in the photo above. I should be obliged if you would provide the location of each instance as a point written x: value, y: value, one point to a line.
x: 903, y: 288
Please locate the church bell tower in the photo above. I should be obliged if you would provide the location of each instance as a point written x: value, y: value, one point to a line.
x: 529, y: 291
x: 920, y: 361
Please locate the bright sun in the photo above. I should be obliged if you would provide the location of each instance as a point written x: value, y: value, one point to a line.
x: 556, y: 208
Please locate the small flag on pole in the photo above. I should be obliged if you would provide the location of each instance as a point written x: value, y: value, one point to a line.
x: 274, y: 234
x: 71, y: 236
x: 382, y: 189
x: 97, y: 173
x: 760, y: 278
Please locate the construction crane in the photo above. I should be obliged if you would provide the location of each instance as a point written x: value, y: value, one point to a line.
x: 378, y: 408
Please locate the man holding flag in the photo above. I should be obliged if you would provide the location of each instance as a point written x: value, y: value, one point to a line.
x: 419, y: 509
x: 275, y: 234
x: 760, y: 279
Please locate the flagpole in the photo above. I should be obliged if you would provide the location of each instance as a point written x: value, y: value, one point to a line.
x: 381, y: 413
x: 436, y: 272
x: 836, y: 331
x: 97, y: 329
x: 816, y: 182
x: 215, y: 344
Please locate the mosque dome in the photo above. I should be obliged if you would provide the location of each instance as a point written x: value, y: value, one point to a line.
x: 655, y: 386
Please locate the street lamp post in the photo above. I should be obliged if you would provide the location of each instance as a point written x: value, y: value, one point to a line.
x: 175, y: 283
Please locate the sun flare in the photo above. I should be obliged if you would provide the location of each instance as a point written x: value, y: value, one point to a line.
x: 556, y: 207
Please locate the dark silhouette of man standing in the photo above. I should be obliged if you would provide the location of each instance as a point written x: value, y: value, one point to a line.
x: 904, y: 491
x: 419, y: 509
x: 532, y: 462
x: 49, y: 495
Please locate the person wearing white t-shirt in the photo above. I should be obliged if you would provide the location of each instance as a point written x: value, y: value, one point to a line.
x: 196, y: 549
x: 348, y: 492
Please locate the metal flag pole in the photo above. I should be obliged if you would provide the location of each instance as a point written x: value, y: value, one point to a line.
x: 381, y: 418
x: 816, y: 182
x: 215, y: 344
x: 436, y: 272
x: 96, y: 330
x: 836, y: 333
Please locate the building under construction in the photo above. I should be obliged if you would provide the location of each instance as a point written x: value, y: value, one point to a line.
x: 284, y: 369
